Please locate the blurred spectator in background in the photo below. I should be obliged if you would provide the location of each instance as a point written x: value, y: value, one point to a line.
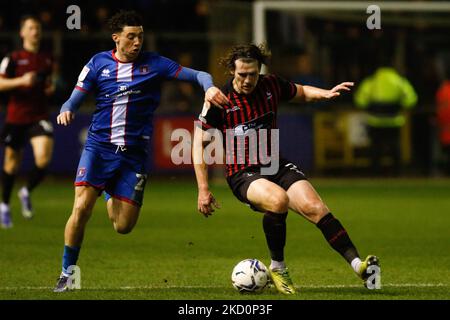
x: 443, y: 119
x: 46, y: 18
x: 102, y: 14
x: 304, y: 71
x: 181, y: 97
x: 385, y: 94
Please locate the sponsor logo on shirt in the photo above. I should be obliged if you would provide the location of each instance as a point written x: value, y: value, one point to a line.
x: 262, y: 122
x: 123, y: 90
x: 105, y: 73
x: 235, y: 108
x: 23, y: 62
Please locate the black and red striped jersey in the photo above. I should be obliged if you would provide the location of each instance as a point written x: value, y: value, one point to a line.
x: 27, y: 105
x: 257, y: 111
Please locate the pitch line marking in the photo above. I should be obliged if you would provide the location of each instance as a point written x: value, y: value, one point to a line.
x: 393, y: 285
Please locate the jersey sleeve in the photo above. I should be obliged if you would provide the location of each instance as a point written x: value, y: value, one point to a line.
x: 211, y: 117
x: 288, y: 90
x: 7, y: 67
x: 87, y: 77
x: 169, y: 69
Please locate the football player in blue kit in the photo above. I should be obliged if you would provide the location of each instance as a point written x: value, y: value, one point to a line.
x: 127, y: 86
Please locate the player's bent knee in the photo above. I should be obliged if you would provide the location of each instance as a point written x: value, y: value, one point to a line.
x: 11, y: 167
x: 42, y: 163
x: 123, y: 228
x: 315, y: 210
x: 279, y: 202
x: 82, y: 210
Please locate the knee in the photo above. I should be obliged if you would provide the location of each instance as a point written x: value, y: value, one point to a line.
x: 81, y: 212
x: 42, y: 162
x: 81, y: 207
x: 315, y: 210
x: 123, y: 228
x: 11, y: 167
x: 279, y: 202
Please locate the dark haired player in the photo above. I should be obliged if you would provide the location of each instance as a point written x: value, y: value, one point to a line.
x: 254, y: 102
x: 127, y: 85
x: 26, y: 76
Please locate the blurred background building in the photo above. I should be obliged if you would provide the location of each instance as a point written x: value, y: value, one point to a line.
x: 319, y: 47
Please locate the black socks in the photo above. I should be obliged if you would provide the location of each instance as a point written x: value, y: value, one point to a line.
x: 274, y: 225
x: 35, y: 177
x: 337, y: 237
x: 7, y: 184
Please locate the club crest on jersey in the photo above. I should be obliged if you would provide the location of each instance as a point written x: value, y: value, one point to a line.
x: 81, y: 172
x: 105, y: 73
x: 144, y: 69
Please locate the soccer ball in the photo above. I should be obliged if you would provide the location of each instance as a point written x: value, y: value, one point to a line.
x: 249, y: 275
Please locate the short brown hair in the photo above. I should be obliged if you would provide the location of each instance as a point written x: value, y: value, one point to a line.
x: 247, y: 53
x: 24, y: 19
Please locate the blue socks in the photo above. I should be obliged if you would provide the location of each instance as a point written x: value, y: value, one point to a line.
x: 70, y: 257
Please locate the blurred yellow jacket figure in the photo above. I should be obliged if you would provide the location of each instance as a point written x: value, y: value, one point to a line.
x: 385, y: 94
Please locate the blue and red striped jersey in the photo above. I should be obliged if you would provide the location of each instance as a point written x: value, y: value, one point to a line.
x: 127, y: 95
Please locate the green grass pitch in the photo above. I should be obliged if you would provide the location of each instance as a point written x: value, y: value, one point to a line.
x: 176, y: 253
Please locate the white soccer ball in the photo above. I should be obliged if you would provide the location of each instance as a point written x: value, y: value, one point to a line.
x: 249, y: 275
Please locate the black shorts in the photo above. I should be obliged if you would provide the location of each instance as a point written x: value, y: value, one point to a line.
x: 288, y: 173
x: 16, y: 136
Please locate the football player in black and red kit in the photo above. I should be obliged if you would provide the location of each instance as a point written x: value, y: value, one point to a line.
x: 25, y: 75
x: 254, y: 102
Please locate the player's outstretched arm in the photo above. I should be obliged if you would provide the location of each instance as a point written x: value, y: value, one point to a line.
x: 68, y: 109
x: 212, y: 94
x: 206, y: 201
x: 313, y: 94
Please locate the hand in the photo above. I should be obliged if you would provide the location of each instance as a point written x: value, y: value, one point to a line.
x: 335, y: 92
x: 65, y: 118
x: 28, y: 79
x: 206, y: 203
x: 216, y: 97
